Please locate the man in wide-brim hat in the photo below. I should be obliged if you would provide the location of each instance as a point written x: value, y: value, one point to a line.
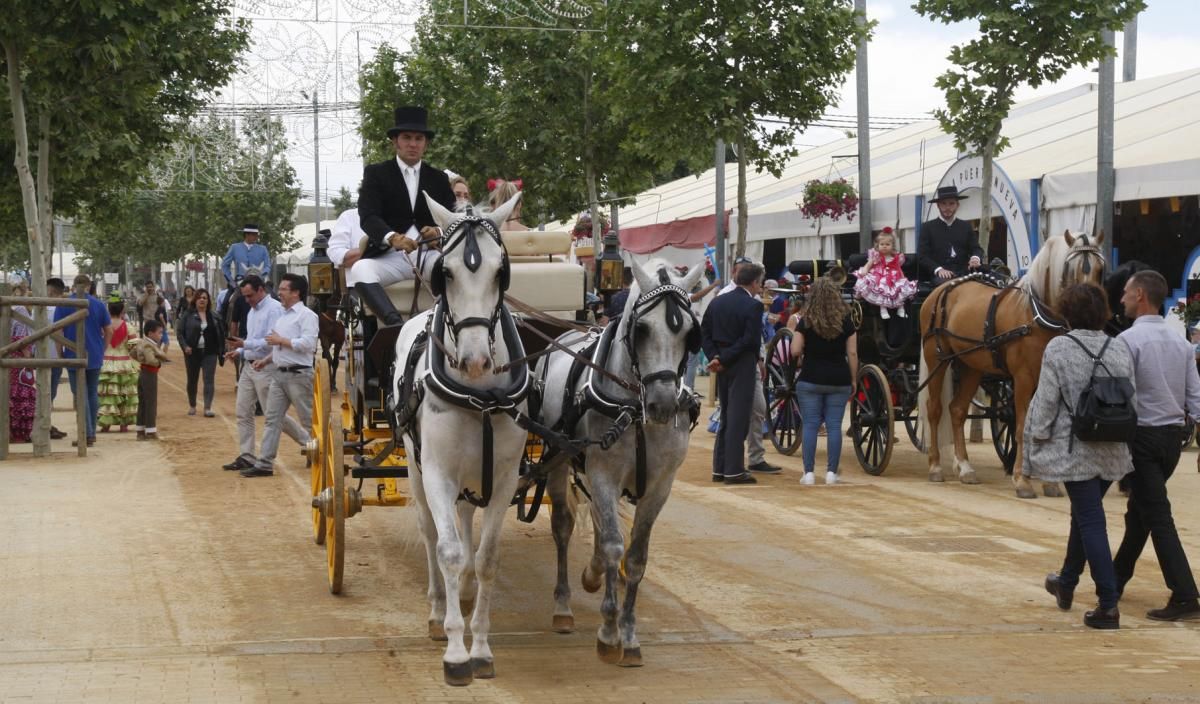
x: 948, y: 247
x: 396, y: 217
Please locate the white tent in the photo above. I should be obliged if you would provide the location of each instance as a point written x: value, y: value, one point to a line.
x: 296, y: 260
x: 1052, y: 155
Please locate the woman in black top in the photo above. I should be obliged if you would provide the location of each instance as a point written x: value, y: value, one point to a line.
x: 202, y: 338
x: 825, y: 346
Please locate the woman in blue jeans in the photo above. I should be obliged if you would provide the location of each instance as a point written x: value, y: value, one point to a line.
x: 825, y: 347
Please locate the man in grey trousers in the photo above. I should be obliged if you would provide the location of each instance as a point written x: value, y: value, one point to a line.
x: 254, y: 385
x: 293, y: 342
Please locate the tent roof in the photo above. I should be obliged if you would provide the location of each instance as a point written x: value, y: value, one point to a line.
x: 1157, y: 122
x: 304, y: 234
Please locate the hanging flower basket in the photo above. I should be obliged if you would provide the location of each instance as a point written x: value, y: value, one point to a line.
x: 583, y: 228
x: 194, y: 265
x: 833, y: 200
x: 1188, y: 310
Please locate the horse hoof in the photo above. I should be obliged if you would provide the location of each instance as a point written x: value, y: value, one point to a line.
x: 936, y: 476
x: 1051, y: 489
x: 437, y: 631
x: 968, y: 478
x: 466, y: 606
x: 457, y: 674
x: 564, y: 623
x: 631, y: 658
x: 1024, y: 492
x: 483, y: 669
x: 610, y: 654
x: 591, y: 583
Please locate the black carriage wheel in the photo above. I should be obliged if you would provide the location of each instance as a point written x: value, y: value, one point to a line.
x: 783, y: 407
x: 871, y: 414
x: 912, y: 424
x: 1002, y: 417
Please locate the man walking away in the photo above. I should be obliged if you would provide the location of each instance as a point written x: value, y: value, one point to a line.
x: 97, y: 332
x: 1167, y: 384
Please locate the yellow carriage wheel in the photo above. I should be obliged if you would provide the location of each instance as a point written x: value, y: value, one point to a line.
x: 316, y: 451
x: 333, y: 460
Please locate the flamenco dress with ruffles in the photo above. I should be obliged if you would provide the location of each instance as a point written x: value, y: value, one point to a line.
x: 22, y: 391
x: 885, y: 284
x: 118, y: 383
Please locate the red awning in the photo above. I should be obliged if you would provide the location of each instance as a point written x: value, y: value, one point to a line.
x: 692, y: 233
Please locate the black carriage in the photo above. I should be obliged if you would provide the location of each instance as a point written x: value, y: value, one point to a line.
x: 888, y: 383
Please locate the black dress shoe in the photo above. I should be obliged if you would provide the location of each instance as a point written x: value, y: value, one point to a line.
x: 56, y: 434
x: 764, y: 468
x: 718, y: 478
x: 1103, y: 619
x: 251, y: 472
x: 237, y: 465
x: 1176, y: 611
x: 1062, y: 593
x: 742, y: 478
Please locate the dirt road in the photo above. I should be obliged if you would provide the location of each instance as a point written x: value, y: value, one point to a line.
x: 144, y: 573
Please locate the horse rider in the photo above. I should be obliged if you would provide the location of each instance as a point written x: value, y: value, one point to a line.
x: 948, y: 247
x: 243, y: 255
x: 395, y: 218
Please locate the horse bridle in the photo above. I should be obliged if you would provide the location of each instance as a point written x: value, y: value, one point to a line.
x: 678, y: 308
x: 472, y: 257
x: 1085, y: 250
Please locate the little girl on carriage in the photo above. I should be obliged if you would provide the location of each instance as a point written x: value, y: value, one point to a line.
x: 881, y: 280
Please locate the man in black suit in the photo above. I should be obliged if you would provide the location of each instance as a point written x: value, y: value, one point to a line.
x: 731, y: 334
x: 948, y: 246
x: 396, y: 217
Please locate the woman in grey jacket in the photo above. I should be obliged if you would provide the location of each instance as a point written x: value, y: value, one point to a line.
x: 1086, y: 468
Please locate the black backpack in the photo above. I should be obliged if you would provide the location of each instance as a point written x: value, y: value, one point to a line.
x: 1105, y: 410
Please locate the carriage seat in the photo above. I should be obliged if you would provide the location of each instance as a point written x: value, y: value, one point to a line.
x: 542, y: 275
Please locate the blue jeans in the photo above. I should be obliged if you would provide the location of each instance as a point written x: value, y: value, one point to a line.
x: 1089, y: 540
x: 55, y: 377
x: 92, y: 398
x: 821, y: 403
x: 692, y: 364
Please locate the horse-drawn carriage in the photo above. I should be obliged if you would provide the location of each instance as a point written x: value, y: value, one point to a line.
x: 892, y: 352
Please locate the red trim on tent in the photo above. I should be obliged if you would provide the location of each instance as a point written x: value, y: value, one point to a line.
x: 692, y: 233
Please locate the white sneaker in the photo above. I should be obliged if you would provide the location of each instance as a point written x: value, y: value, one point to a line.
x: 831, y: 478
x: 807, y: 479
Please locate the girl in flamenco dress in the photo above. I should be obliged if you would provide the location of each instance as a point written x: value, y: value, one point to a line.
x: 881, y: 280
x: 118, y: 376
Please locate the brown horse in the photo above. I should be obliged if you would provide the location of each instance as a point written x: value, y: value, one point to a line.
x: 958, y: 334
x: 332, y: 335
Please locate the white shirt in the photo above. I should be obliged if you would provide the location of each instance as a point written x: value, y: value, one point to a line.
x: 259, y: 323
x: 412, y: 181
x: 299, y: 325
x: 727, y: 288
x: 345, y: 236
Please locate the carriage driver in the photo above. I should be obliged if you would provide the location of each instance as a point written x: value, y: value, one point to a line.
x: 948, y: 247
x: 395, y: 218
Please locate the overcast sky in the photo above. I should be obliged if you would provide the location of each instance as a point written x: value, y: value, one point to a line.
x: 908, y: 52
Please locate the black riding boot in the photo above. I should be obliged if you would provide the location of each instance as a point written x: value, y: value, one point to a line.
x: 376, y: 298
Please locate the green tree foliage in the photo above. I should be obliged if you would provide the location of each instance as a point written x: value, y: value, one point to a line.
x: 1020, y: 42
x: 344, y: 200
x: 697, y: 71
x: 198, y: 212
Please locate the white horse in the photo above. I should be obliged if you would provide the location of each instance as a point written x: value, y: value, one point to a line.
x: 458, y: 425
x: 647, y: 349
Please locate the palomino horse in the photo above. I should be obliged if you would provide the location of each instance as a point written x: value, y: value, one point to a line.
x: 464, y: 447
x: 639, y: 399
x: 979, y: 329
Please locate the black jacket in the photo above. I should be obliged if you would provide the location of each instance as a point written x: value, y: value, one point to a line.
x: 383, y: 202
x: 936, y: 240
x: 732, y: 327
x: 188, y: 332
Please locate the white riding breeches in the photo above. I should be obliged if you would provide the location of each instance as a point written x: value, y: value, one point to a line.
x: 393, y: 267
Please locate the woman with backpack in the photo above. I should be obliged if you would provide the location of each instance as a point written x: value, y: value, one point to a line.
x: 1077, y: 368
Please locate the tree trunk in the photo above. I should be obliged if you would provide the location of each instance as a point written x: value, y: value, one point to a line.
x: 743, y: 216
x: 985, y: 205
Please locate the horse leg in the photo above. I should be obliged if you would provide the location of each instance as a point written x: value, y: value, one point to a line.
x: 562, y: 523
x: 333, y: 363
x: 960, y: 407
x: 593, y: 571
x: 1022, y: 393
x: 441, y: 493
x: 635, y: 568
x: 437, y: 591
x: 487, y: 564
x: 609, y: 549
x: 933, y: 417
x: 469, y: 586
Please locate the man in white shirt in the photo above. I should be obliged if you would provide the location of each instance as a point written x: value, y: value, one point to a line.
x: 293, y: 343
x: 254, y: 384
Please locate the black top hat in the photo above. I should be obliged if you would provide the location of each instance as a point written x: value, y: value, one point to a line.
x: 250, y: 230
x: 410, y: 118
x: 327, y: 232
x: 946, y: 192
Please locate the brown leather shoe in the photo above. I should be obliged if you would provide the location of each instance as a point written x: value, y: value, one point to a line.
x: 56, y: 434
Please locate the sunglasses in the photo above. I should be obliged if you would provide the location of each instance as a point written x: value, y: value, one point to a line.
x: 743, y: 260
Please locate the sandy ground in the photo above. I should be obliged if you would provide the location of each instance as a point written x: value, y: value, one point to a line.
x: 144, y: 573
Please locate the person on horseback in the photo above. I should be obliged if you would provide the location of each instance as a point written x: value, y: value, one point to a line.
x: 240, y: 258
x: 396, y: 221
x: 948, y: 247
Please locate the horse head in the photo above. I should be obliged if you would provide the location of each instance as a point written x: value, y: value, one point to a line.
x: 470, y: 277
x: 659, y: 331
x: 1063, y: 262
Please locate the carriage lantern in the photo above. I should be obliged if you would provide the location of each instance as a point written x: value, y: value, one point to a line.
x: 320, y: 267
x: 609, y: 265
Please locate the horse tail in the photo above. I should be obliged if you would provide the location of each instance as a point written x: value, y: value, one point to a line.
x: 922, y: 402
